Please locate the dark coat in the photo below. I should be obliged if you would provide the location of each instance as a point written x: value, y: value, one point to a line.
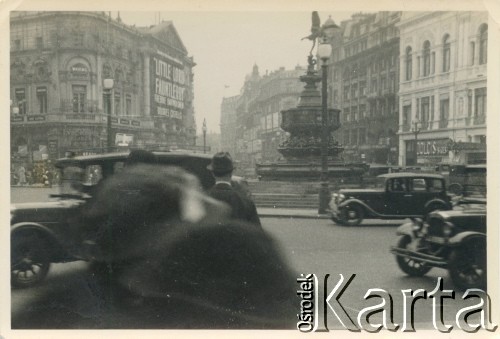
x: 243, y: 208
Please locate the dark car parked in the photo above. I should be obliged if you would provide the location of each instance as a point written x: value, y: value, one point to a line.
x: 453, y: 240
x: 396, y: 196
x: 41, y: 232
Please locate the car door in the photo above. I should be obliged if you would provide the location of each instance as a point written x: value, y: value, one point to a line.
x: 418, y: 196
x: 396, y: 196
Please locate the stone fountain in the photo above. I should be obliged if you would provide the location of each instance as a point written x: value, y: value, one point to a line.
x: 302, y: 148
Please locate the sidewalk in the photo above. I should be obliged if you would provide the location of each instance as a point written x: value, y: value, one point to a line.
x: 269, y: 212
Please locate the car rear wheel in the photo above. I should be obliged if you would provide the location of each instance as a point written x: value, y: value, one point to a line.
x: 467, y: 265
x: 410, y: 266
x: 352, y: 215
x: 29, y: 261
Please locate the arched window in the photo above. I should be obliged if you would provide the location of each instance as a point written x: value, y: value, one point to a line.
x: 483, y: 44
x: 408, y: 63
x: 446, y: 53
x: 427, y: 58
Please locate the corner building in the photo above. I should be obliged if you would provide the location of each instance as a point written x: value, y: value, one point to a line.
x: 442, y: 96
x: 250, y: 121
x: 58, y: 64
x: 365, y: 72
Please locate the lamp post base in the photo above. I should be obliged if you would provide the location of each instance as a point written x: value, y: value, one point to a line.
x: 324, y: 198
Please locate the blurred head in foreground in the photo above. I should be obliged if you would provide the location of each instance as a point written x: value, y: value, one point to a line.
x: 139, y: 205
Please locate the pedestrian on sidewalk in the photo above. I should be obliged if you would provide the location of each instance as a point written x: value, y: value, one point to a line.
x: 242, y: 207
x: 21, y: 174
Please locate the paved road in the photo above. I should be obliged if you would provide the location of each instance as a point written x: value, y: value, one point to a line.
x: 320, y: 247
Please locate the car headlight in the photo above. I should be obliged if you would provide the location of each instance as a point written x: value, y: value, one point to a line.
x: 447, y: 229
x: 418, y: 224
x: 336, y: 198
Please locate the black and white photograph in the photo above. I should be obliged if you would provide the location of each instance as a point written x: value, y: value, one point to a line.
x: 279, y: 170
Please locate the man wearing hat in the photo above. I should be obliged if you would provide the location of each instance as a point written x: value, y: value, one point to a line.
x: 242, y: 206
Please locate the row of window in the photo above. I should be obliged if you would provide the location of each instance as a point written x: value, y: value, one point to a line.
x: 21, y: 103
x: 378, y: 38
x: 79, y: 103
x: 77, y: 40
x: 355, y: 136
x: 387, y: 62
x: 354, y: 91
x: 426, y: 63
x: 425, y: 108
x: 377, y: 108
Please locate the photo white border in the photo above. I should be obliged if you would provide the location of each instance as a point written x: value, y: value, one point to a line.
x: 493, y: 154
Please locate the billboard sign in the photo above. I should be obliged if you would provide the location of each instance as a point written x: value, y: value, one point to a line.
x: 433, y: 147
x: 168, y: 86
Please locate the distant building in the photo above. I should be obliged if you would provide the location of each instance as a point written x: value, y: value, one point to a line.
x: 250, y: 122
x: 280, y: 90
x: 59, y: 61
x: 443, y: 88
x: 229, y: 137
x: 364, y: 84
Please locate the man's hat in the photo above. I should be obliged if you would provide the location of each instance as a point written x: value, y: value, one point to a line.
x: 221, y: 163
x: 140, y: 156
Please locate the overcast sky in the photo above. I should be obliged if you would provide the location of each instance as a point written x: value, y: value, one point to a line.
x: 226, y: 45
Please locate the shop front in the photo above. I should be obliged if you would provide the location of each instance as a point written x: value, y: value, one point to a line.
x: 427, y: 152
x: 468, y: 153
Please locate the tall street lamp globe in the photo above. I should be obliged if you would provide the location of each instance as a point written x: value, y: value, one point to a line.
x: 324, y: 51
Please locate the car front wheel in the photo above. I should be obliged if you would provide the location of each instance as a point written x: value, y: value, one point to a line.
x: 29, y: 261
x: 456, y: 189
x: 467, y: 266
x: 352, y: 215
x: 408, y: 265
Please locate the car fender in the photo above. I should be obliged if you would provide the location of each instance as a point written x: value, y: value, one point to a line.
x: 43, y: 231
x: 437, y: 201
x: 405, y: 229
x: 463, y: 236
x: 353, y: 202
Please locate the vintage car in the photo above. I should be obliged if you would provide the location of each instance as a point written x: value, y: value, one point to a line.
x: 396, y: 196
x: 467, y: 180
x: 453, y: 240
x: 40, y: 231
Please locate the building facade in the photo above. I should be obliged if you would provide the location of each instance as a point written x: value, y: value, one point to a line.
x: 228, y: 137
x: 364, y: 78
x: 443, y: 87
x: 62, y: 96
x: 250, y: 122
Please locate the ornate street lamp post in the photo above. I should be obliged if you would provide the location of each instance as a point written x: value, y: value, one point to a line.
x: 108, y: 86
x: 416, y: 126
x: 204, y: 129
x: 324, y: 51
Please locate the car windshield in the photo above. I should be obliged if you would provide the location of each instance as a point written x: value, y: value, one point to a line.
x: 71, y: 180
x: 76, y: 180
